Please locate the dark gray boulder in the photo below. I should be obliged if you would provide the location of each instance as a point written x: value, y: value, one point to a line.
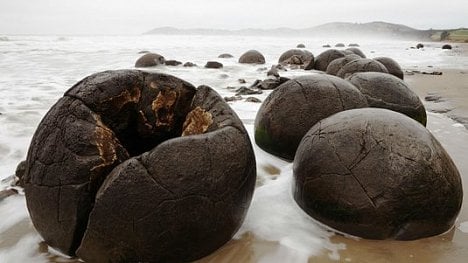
x: 296, y: 57
x: 338, y: 63
x: 300, y: 46
x: 446, y: 46
x: 121, y: 170
x: 296, y: 105
x: 389, y: 92
x: 357, y: 51
x: 189, y: 64
x: 213, y: 64
x: 340, y: 45
x: 252, y: 57
x: 419, y: 45
x: 322, y: 60
x: 172, y: 62
x: 376, y: 174
x: 392, y: 66
x: 361, y: 65
x: 149, y: 60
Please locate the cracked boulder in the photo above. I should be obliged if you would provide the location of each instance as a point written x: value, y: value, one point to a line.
x: 252, y: 57
x: 338, y: 63
x: 376, y: 174
x: 324, y: 58
x: 361, y: 65
x: 392, y: 66
x: 132, y: 166
x: 299, y: 57
x: 296, y: 105
x: 389, y: 92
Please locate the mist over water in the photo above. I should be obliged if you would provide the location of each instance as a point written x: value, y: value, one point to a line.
x: 36, y: 70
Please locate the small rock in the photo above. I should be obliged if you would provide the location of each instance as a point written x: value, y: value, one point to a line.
x: 418, y: 46
x: 149, y: 60
x: 224, y: 76
x: 436, y: 73
x: 255, y: 83
x: 247, y: 91
x: 6, y: 193
x: 19, y: 173
x: 353, y: 45
x: 326, y: 46
x: 273, y: 72
x: 252, y: 57
x: 301, y: 46
x: 225, y: 55
x: 172, y: 63
x: 213, y: 64
x: 190, y: 64
x: 446, y: 46
x: 253, y: 99
x: 340, y: 45
x: 143, y: 52
x: 269, y: 84
x: 233, y: 98
x: 434, y: 98
x: 262, y: 69
x: 242, y: 81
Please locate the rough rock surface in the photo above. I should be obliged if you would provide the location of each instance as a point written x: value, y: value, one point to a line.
x: 213, y: 64
x: 338, y: 63
x: 376, y: 174
x: 392, y: 66
x: 149, y: 60
x: 322, y: 60
x: 389, y: 92
x: 361, y: 65
x: 296, y: 105
x: 252, y: 57
x: 135, y: 166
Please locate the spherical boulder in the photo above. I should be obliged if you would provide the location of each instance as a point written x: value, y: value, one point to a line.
x: 361, y: 65
x: 357, y: 51
x: 149, y: 60
x: 296, y: 57
x: 376, y: 174
x: 296, y: 105
x: 300, y: 45
x: 389, y: 92
x: 225, y: 55
x: 252, y: 57
x: 322, y: 60
x: 392, y: 66
x: 131, y: 166
x: 340, y: 45
x: 338, y: 63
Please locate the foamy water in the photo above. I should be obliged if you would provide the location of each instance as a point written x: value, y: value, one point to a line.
x: 36, y: 71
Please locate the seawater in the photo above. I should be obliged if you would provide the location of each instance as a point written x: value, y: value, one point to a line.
x: 35, y: 71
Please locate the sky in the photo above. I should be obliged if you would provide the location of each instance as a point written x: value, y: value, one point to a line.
x: 115, y: 17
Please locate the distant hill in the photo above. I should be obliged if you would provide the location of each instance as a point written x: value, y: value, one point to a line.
x: 335, y: 29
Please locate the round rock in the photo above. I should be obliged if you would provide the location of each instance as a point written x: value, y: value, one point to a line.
x: 357, y: 51
x: 149, y: 60
x: 322, y: 60
x: 296, y: 105
x: 252, y: 57
x: 213, y: 64
x: 361, y: 65
x: 225, y: 55
x: 300, y: 46
x: 446, y: 46
x: 131, y: 166
x: 338, y: 63
x: 389, y: 92
x: 296, y: 57
x: 392, y: 66
x: 376, y: 174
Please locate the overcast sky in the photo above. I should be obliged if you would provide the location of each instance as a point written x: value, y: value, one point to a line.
x: 137, y: 16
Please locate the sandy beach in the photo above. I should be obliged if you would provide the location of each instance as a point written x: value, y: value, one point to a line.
x: 447, y: 108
